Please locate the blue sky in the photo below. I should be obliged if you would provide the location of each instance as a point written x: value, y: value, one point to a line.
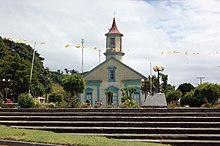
x: 154, y: 31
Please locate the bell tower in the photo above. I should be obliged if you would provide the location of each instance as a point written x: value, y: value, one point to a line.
x: 114, y: 43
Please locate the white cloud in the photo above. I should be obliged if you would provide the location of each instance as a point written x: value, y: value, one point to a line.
x: 149, y: 27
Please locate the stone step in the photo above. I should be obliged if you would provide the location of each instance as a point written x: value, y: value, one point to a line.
x: 134, y: 130
x: 110, y: 110
x: 112, y: 118
x: 157, y: 136
x: 112, y: 124
x: 180, y: 142
x: 209, y: 114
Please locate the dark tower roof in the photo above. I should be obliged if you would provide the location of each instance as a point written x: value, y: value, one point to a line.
x: 114, y: 29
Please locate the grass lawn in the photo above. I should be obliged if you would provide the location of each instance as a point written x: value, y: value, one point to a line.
x: 7, y: 133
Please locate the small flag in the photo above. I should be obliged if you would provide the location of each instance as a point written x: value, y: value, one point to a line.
x: 9, y: 39
x: 42, y: 43
x: 67, y: 45
x: 95, y: 48
x: 162, y: 52
x: 18, y: 40
x: 78, y: 46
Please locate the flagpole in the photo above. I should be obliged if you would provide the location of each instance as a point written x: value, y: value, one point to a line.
x: 82, y: 41
x: 32, y: 66
x: 150, y: 79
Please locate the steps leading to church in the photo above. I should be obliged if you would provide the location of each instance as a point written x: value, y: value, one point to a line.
x: 112, y: 124
x: 174, y: 126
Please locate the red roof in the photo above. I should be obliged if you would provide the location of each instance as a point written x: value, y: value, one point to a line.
x: 114, y: 29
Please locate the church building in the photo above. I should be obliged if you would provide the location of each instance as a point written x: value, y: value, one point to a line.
x: 112, y: 75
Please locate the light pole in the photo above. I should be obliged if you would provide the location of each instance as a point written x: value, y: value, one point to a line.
x: 158, y: 69
x: 6, y: 81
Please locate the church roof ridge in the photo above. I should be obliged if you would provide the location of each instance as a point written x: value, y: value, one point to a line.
x: 114, y: 29
x: 117, y: 61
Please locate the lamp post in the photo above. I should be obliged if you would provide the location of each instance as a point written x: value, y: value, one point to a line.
x: 6, y: 81
x: 158, y: 69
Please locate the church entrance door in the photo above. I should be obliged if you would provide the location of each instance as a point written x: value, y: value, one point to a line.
x: 112, y: 99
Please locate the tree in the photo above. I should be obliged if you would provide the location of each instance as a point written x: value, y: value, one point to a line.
x: 185, y: 87
x: 15, y: 64
x: 210, y: 91
x: 173, y: 96
x: 74, y: 84
x: 66, y: 70
x: 127, y: 96
x: 193, y: 101
x: 145, y: 87
x: 164, y: 83
x: 37, y: 90
x: 73, y: 71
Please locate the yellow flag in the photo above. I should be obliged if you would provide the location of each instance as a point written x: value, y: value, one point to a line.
x: 9, y: 39
x: 18, y: 40
x: 42, y: 43
x: 67, y: 45
x: 95, y: 48
x: 78, y: 46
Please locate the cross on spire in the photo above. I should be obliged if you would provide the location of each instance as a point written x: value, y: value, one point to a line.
x: 114, y: 13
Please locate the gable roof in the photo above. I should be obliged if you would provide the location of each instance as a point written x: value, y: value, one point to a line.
x: 116, y: 61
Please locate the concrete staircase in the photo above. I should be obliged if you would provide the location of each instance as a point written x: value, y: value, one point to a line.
x: 172, y: 126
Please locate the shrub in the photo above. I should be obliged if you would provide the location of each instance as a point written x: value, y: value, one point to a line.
x: 173, y: 96
x: 192, y: 100
x: 25, y: 101
x: 58, y: 98
x: 211, y: 92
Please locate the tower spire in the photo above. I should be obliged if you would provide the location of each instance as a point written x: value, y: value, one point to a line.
x: 114, y: 42
x: 114, y: 29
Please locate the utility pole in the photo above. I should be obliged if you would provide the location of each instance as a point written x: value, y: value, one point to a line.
x: 200, y: 79
x: 82, y: 41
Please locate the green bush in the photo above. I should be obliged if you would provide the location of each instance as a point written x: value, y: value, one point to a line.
x: 58, y: 98
x: 173, y: 96
x: 192, y: 100
x: 25, y: 101
x: 210, y: 91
